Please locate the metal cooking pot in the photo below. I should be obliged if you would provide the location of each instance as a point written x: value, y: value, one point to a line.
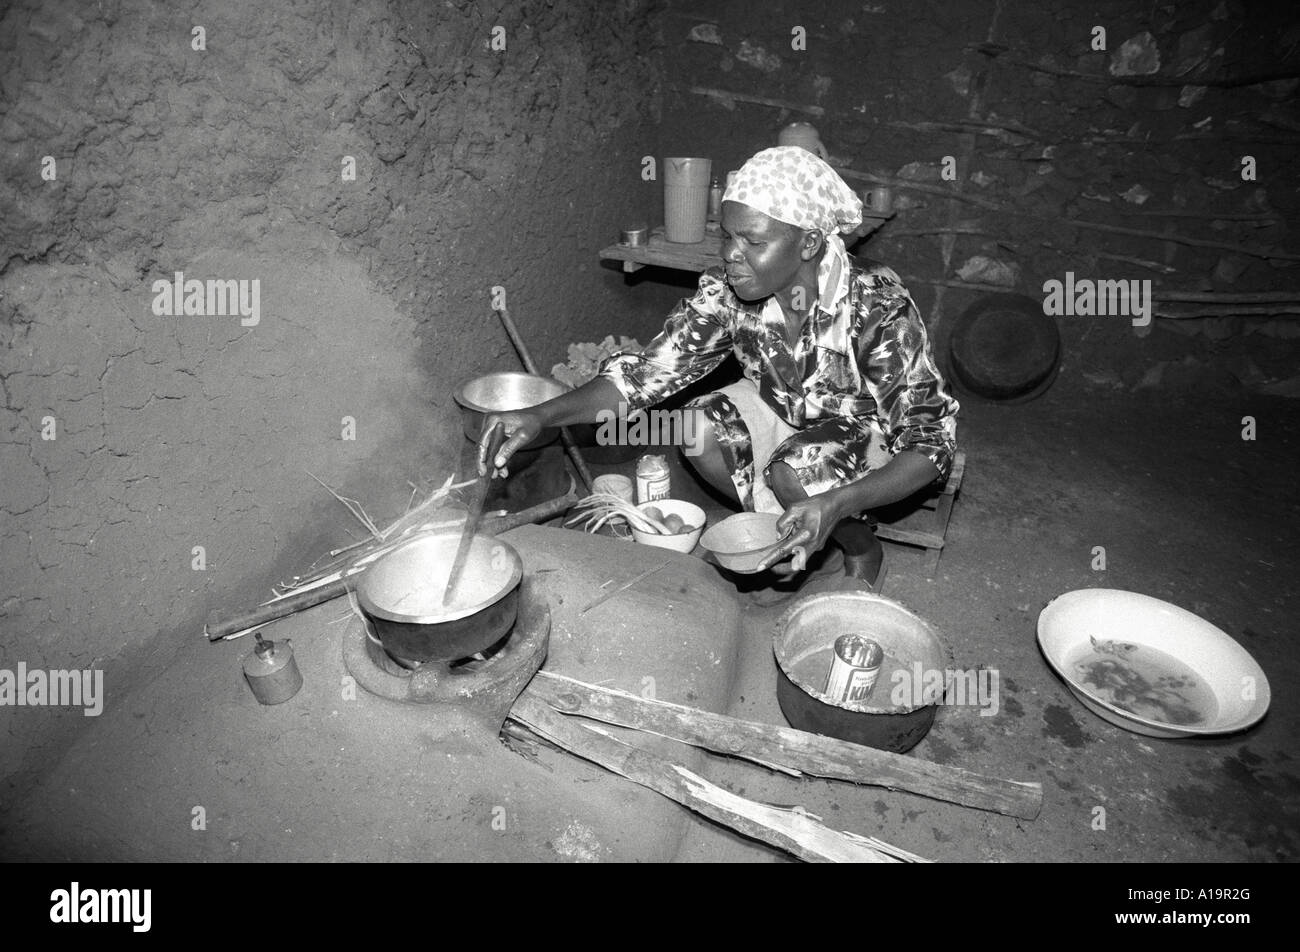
x: 402, y: 593
x: 500, y: 392
x: 803, y: 643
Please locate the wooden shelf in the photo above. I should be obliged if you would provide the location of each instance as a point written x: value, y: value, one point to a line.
x: 927, y: 526
x: 658, y: 250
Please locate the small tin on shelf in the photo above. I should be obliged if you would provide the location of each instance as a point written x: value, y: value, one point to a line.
x: 635, y: 235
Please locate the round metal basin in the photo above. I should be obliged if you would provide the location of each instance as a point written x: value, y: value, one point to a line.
x: 898, y: 712
x: 500, y: 392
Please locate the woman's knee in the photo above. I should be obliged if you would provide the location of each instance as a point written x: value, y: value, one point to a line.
x: 704, y: 451
x: 785, y: 484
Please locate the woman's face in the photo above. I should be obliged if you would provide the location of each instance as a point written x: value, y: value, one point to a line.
x: 762, y: 255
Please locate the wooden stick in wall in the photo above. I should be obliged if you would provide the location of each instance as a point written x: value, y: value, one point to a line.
x: 570, y: 446
x: 1072, y: 222
x: 746, y: 97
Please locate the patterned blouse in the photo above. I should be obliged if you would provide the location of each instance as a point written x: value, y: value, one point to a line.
x: 863, y: 353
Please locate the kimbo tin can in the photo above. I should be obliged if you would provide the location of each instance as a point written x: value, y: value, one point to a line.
x: 855, y: 665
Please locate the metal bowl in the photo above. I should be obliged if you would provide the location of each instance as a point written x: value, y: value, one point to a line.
x: 742, y: 541
x: 402, y: 595
x: 887, y: 719
x: 501, y: 392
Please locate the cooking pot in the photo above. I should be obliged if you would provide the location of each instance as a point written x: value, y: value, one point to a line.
x: 501, y: 392
x: 899, y: 711
x: 402, y: 593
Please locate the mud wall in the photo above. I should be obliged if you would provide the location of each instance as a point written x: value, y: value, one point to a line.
x: 375, y: 167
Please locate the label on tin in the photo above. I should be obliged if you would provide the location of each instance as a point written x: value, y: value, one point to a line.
x: 650, y: 490
x: 855, y: 665
x: 652, y: 481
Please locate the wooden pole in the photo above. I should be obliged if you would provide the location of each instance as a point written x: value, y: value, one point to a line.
x: 1169, y: 236
x: 1229, y: 297
x: 757, y: 100
x: 1061, y: 220
x: 1280, y: 311
x: 770, y: 745
x: 570, y: 446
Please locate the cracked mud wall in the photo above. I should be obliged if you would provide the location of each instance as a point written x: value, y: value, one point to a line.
x: 475, y: 167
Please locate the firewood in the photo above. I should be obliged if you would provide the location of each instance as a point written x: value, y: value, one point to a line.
x: 789, y: 830
x: 785, y: 746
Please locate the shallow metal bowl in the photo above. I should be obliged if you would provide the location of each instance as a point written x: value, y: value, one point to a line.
x: 500, y: 392
x: 742, y: 541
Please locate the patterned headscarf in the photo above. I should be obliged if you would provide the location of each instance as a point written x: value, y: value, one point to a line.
x: 790, y: 184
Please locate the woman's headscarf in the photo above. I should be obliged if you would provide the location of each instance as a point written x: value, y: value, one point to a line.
x: 790, y: 184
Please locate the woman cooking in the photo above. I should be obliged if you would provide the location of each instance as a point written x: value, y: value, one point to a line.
x: 841, y: 409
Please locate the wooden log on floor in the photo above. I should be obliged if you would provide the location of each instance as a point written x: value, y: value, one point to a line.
x: 808, y: 753
x: 789, y: 830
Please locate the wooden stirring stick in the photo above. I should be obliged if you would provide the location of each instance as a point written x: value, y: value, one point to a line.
x: 477, y: 495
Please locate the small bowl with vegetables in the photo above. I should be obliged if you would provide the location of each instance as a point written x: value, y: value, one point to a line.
x: 664, y: 523
x: 672, y: 524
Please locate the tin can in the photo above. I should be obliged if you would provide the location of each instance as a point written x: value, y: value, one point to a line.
x: 615, y: 485
x: 878, y: 201
x: 652, y: 478
x: 715, y: 199
x: 272, y: 672
x: 855, y: 665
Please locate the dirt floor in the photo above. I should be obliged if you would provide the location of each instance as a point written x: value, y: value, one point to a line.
x: 190, y: 767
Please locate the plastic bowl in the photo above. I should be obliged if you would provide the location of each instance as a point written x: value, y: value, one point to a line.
x: 691, y: 514
x: 1073, y: 626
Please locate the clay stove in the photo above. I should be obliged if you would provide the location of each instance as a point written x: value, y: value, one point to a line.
x: 486, y: 684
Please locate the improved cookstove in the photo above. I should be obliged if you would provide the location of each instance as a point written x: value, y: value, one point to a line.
x: 485, y: 684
